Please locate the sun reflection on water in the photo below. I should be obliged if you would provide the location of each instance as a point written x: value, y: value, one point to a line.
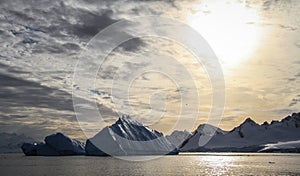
x: 216, y: 165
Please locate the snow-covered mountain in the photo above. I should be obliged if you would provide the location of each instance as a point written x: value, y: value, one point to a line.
x: 11, y: 142
x: 128, y: 137
x: 249, y: 136
x: 177, y: 137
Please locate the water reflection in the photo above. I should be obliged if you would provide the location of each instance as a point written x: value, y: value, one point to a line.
x: 196, y: 164
x: 216, y: 165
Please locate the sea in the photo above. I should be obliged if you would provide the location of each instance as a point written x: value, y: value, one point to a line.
x: 182, y: 164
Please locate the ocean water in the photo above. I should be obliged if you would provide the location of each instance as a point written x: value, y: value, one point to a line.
x: 183, y: 164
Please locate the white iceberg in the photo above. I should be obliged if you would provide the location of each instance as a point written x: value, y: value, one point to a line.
x: 128, y: 137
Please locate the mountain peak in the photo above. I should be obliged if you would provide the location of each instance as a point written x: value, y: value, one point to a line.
x: 291, y: 120
x: 208, y: 129
x: 126, y: 119
x: 128, y: 137
x: 296, y: 116
x: 249, y: 120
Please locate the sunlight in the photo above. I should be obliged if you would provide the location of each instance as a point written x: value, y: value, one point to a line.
x: 228, y: 28
x: 217, y: 165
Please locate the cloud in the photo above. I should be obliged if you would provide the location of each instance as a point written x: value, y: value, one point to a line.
x: 40, y: 42
x: 295, y: 101
x: 297, y: 44
x: 269, y: 5
x: 25, y: 102
x: 283, y: 111
x: 132, y: 44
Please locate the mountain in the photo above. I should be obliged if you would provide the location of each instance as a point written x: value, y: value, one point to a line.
x: 55, y: 145
x: 247, y: 137
x: 128, y: 137
x: 203, y: 130
x: 11, y: 142
x: 177, y: 137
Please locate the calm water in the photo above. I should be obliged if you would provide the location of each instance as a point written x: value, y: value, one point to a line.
x: 188, y: 164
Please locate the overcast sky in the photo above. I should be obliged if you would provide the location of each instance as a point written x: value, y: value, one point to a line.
x: 256, y: 41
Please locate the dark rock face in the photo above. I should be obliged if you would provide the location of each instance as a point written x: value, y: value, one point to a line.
x: 29, y: 149
x: 64, y: 145
x: 92, y: 150
x: 55, y: 145
x: 38, y: 149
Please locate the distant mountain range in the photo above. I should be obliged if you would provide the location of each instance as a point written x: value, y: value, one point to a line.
x: 11, y: 142
x: 129, y: 137
x: 247, y: 137
x: 178, y: 137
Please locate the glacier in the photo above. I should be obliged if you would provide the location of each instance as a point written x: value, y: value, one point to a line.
x: 289, y: 146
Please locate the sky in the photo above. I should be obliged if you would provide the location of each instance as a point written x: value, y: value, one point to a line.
x: 257, y: 43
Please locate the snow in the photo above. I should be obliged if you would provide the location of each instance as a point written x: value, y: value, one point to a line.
x: 128, y: 137
x: 202, y: 131
x: 248, y: 135
x: 281, y: 146
x: 55, y: 145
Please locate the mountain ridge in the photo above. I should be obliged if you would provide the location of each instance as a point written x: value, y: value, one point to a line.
x: 248, y: 136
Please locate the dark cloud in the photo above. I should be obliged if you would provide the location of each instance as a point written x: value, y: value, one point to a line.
x: 132, y: 44
x: 107, y: 72
x: 291, y: 79
x: 71, y: 46
x: 12, y: 70
x: 283, y: 111
x: 295, y: 101
x: 290, y: 28
x: 17, y: 95
x: 44, y: 25
x: 15, y: 92
x: 275, y: 4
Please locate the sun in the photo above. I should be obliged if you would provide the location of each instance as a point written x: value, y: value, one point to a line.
x: 229, y: 28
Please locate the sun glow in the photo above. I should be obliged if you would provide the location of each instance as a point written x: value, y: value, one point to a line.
x: 229, y: 29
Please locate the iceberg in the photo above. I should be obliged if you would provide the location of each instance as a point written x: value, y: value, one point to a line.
x: 64, y: 145
x: 127, y: 137
x: 55, y: 145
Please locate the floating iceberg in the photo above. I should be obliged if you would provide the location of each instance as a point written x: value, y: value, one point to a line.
x: 55, y: 145
x: 128, y: 137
